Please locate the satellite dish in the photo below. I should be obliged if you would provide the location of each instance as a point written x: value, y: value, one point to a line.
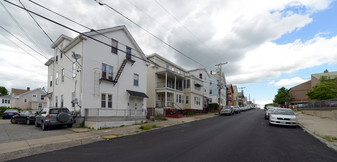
x: 76, y: 56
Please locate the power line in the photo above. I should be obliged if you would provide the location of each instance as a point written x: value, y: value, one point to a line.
x: 75, y: 22
x: 18, y: 24
x: 22, y: 41
x: 104, y: 4
x: 22, y: 48
x: 46, y: 33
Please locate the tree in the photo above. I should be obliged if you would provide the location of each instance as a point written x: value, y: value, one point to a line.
x: 323, y: 91
x: 282, y: 97
x: 3, y: 91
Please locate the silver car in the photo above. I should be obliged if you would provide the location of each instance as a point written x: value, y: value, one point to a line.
x: 282, y: 117
x: 269, y: 110
x: 228, y: 110
x: 49, y: 117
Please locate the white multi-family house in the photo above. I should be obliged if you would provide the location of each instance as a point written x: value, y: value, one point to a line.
x: 202, y: 74
x: 214, y: 89
x: 104, y: 81
x: 170, y: 86
x: 5, y: 101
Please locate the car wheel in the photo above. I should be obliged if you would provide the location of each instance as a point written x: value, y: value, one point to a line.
x: 37, y: 124
x: 13, y: 121
x: 69, y: 125
x: 43, y: 126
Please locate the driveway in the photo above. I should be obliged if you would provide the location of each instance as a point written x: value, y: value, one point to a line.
x: 14, y: 132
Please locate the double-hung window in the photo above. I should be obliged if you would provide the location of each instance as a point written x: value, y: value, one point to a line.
x: 107, y: 72
x: 128, y: 52
x: 135, y: 80
x: 62, y: 75
x: 114, y: 46
x: 103, y: 105
x: 57, y: 78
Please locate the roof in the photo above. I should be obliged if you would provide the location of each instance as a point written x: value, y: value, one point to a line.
x: 328, y: 74
x: 18, y: 96
x: 59, y: 40
x: 50, y: 61
x: 18, y: 91
x: 201, y: 69
x: 137, y: 94
x: 7, y: 96
x: 166, y: 60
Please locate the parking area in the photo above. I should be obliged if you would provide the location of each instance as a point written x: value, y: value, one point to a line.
x: 17, y: 132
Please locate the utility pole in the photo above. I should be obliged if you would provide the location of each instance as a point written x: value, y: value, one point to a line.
x: 220, y: 84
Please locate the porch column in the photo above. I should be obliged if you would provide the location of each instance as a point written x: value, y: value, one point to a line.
x: 175, y: 87
x: 165, y: 79
x: 165, y: 90
x: 165, y: 98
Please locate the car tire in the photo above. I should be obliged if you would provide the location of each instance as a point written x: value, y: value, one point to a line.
x: 43, y: 126
x: 69, y: 125
x: 28, y: 122
x: 37, y: 124
x: 13, y: 121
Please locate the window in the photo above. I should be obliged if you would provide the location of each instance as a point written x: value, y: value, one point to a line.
x: 42, y: 97
x: 74, y: 70
x: 167, y: 66
x: 110, y: 72
x: 114, y: 46
x: 197, y: 87
x: 25, y: 100
x: 109, y: 101
x: 103, y: 70
x: 61, y: 100
x: 210, y: 100
x: 186, y: 99
x: 107, y: 72
x: 103, y: 100
x: 40, y: 106
x: 200, y: 75
x: 56, y: 58
x: 3, y: 101
x: 73, y: 96
x: 61, y: 54
x: 197, y: 100
x: 210, y: 91
x: 56, y: 101
x: 128, y: 53
x: 62, y: 75
x: 188, y: 84
x: 51, y: 81
x: 135, y: 80
x: 56, y: 78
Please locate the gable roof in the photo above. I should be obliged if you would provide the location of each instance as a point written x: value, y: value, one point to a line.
x: 201, y: 69
x: 166, y: 60
x: 18, y: 91
x: 37, y: 89
x: 6, y: 96
x: 59, y: 40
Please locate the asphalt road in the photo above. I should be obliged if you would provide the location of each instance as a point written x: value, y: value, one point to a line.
x: 17, y: 132
x: 242, y: 137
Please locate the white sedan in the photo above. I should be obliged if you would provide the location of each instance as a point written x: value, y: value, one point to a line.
x: 282, y: 117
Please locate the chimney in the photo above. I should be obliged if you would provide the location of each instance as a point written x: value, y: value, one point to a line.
x: 326, y: 71
x: 28, y: 89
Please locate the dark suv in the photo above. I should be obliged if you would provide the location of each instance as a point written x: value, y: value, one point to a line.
x: 51, y: 116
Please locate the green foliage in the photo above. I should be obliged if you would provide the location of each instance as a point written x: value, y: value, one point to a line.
x: 189, y: 113
x: 158, y: 117
x: 3, y: 109
x: 213, y: 107
x: 269, y: 104
x: 282, y: 97
x: 148, y: 127
x: 323, y: 91
x: 3, y: 91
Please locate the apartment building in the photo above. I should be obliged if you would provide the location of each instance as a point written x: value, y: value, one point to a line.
x: 170, y: 86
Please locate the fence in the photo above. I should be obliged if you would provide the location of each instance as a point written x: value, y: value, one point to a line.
x: 106, y: 112
x: 319, y: 105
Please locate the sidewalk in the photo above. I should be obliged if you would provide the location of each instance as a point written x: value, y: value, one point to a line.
x: 323, y: 129
x: 18, y: 149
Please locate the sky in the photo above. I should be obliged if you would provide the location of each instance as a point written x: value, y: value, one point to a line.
x: 267, y: 44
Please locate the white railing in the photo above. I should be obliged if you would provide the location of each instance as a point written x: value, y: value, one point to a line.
x: 106, y: 112
x: 161, y: 104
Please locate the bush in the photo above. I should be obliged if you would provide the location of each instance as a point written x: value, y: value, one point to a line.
x: 158, y: 117
x: 3, y: 109
x: 213, y: 107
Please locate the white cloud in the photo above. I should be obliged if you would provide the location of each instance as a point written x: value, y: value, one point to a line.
x: 288, y: 82
x: 261, y: 103
x: 237, y: 31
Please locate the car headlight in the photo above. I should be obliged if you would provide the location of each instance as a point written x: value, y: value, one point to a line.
x: 272, y: 117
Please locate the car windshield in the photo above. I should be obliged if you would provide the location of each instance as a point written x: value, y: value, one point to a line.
x: 11, y: 110
x: 283, y: 112
x: 57, y: 111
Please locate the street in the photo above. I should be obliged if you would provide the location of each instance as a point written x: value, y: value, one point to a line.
x: 242, y: 137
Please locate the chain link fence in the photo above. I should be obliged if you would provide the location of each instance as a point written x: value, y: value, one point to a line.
x: 318, y: 105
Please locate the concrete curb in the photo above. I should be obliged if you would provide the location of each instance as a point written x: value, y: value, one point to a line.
x: 329, y: 144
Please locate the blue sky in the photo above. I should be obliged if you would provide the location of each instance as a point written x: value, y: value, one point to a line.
x: 267, y: 44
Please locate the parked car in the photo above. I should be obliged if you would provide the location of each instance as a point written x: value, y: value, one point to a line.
x: 9, y: 113
x: 52, y: 116
x: 237, y: 109
x: 228, y: 110
x: 283, y: 117
x: 269, y: 110
x: 27, y: 116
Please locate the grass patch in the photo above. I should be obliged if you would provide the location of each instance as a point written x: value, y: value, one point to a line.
x: 122, y: 126
x: 330, y: 139
x: 158, y: 117
x: 148, y: 127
